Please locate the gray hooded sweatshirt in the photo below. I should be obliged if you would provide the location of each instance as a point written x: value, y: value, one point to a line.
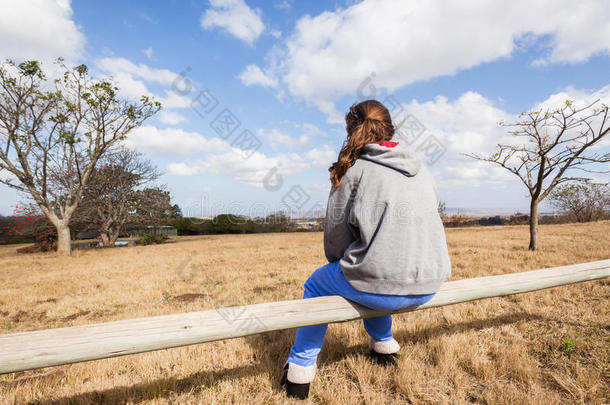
x: 383, y: 226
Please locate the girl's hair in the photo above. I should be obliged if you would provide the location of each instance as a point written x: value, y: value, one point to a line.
x: 366, y: 122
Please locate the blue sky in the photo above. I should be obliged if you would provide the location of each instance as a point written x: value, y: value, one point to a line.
x: 288, y: 71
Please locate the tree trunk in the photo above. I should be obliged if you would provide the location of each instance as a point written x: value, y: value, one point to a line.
x: 114, y: 237
x: 105, y: 239
x: 533, y: 225
x: 110, y: 236
x: 64, y: 243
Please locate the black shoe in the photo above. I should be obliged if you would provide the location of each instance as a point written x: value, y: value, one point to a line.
x: 300, y: 391
x: 384, y: 359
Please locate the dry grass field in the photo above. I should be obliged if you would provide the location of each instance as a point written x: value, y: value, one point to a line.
x: 548, y: 347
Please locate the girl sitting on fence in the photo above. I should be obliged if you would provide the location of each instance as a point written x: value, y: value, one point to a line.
x: 383, y: 238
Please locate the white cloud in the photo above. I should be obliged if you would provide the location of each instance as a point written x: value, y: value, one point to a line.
x: 466, y: 124
x: 174, y: 100
x: 301, y: 135
x: 181, y: 169
x: 171, y: 117
x: 329, y: 55
x: 321, y: 157
x: 252, y: 74
x: 280, y: 139
x: 276, y: 136
x: 172, y: 141
x: 581, y: 97
x: 310, y: 130
x: 256, y: 167
x: 579, y: 30
x: 236, y: 17
x: 133, y: 81
x: 119, y: 66
x: 39, y: 29
x: 231, y: 164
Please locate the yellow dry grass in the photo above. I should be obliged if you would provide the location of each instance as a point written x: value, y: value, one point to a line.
x: 546, y: 347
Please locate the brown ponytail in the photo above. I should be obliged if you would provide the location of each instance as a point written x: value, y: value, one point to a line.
x: 366, y: 122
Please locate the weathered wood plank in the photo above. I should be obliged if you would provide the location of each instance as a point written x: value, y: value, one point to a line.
x: 52, y: 347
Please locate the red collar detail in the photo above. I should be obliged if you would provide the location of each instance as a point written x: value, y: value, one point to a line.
x: 388, y: 144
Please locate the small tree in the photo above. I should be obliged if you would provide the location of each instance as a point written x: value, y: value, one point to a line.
x: 112, y: 195
x: 557, y: 140
x: 154, y: 208
x: 279, y: 222
x: 228, y: 223
x: 585, y: 201
x: 52, y: 134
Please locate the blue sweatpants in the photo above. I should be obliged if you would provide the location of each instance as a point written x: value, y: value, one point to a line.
x: 329, y: 280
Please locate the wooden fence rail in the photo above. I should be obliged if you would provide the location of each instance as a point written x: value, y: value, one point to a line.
x: 53, y: 347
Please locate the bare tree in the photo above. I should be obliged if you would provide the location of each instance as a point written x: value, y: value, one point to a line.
x: 586, y: 201
x: 112, y: 196
x: 52, y: 134
x: 558, y: 140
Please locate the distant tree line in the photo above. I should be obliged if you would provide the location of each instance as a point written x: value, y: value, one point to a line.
x: 460, y: 220
x: 129, y: 204
x: 576, y: 202
x: 237, y: 224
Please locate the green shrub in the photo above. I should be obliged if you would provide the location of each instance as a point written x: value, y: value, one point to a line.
x: 148, y: 238
x: 145, y: 239
x: 160, y: 238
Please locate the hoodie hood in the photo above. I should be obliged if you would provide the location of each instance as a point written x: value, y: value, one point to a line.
x: 394, y: 154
